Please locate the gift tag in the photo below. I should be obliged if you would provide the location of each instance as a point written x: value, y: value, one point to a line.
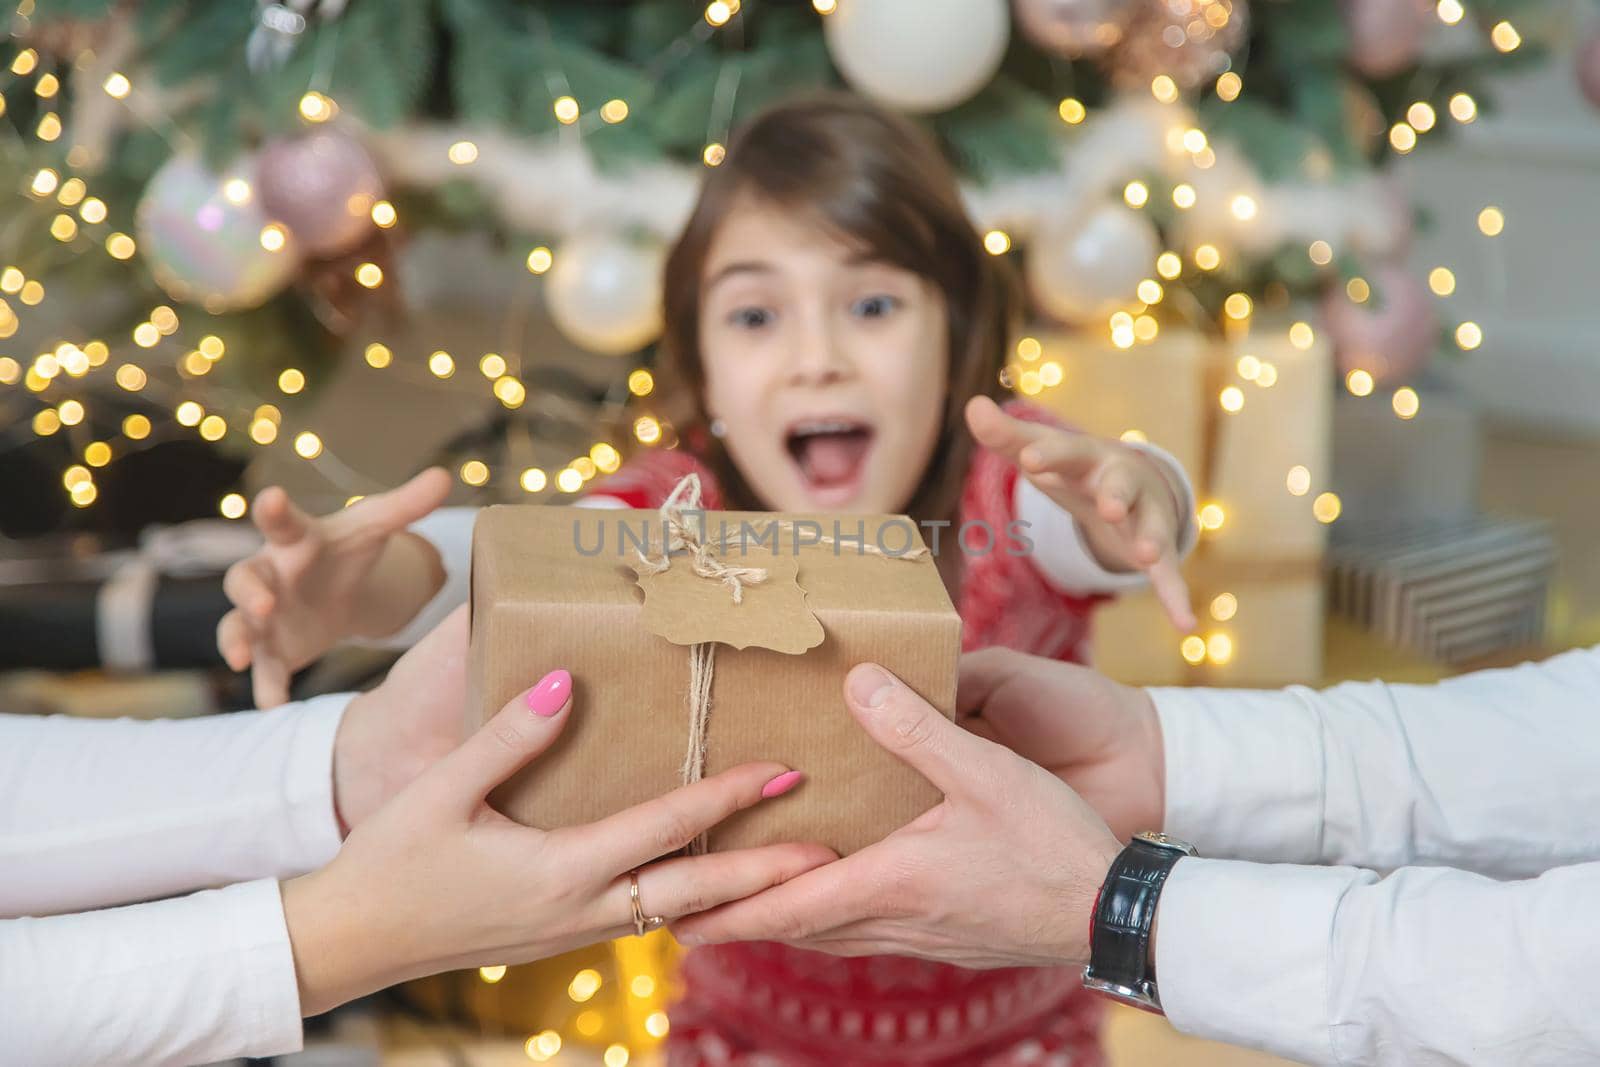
x: 689, y: 609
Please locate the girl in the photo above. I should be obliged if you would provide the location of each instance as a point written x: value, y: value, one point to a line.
x: 834, y: 330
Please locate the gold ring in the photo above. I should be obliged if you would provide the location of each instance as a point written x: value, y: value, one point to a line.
x: 641, y: 922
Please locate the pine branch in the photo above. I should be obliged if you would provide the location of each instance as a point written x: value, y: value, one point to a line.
x: 1004, y: 129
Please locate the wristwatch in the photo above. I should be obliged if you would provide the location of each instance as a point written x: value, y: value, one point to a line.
x: 1124, y: 914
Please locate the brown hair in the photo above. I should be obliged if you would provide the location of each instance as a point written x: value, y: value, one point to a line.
x: 879, y: 181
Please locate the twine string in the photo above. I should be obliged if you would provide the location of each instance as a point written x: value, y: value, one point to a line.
x: 680, y: 534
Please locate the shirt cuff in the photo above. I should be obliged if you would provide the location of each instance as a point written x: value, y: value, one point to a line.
x: 448, y: 530
x: 1182, y: 491
x: 1243, y: 953
x: 266, y: 969
x: 196, y: 979
x: 308, y: 780
x: 1245, y: 773
x: 1062, y: 554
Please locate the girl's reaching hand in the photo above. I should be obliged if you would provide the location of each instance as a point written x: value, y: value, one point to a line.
x: 319, y: 581
x: 1124, y: 504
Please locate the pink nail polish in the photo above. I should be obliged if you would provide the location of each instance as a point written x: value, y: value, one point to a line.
x: 781, y: 784
x: 553, y: 690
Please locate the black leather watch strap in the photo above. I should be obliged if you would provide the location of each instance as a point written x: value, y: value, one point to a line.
x: 1124, y: 917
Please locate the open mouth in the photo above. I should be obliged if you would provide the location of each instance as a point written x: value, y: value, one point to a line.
x: 831, y: 455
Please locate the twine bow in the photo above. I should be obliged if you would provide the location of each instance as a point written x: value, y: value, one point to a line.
x: 680, y: 535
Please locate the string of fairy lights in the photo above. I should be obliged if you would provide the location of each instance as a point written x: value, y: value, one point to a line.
x: 82, y: 217
x: 262, y: 422
x: 1030, y: 374
x: 68, y: 361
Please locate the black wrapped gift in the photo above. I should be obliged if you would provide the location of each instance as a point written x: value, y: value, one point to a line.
x: 151, y: 608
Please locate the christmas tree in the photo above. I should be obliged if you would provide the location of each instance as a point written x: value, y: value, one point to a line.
x: 199, y: 180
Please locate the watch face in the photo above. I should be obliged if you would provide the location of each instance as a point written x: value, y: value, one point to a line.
x: 1161, y: 840
x: 1142, y: 996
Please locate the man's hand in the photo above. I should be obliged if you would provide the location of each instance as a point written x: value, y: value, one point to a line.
x: 392, y: 734
x: 1101, y: 738
x: 1004, y: 872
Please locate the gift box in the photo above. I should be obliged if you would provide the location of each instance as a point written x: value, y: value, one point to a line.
x: 73, y: 624
x: 701, y: 640
x: 154, y: 607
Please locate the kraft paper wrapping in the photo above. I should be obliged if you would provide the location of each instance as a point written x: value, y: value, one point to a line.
x: 542, y: 598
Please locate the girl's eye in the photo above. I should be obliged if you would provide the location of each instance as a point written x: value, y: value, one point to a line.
x: 874, y: 307
x: 750, y: 318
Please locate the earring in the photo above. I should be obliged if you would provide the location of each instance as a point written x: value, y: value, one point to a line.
x: 718, y: 428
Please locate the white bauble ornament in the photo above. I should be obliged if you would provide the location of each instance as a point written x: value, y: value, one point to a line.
x: 918, y: 55
x: 1083, y: 269
x: 201, y: 234
x: 604, y: 292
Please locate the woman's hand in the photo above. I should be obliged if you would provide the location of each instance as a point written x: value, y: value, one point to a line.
x: 1101, y: 738
x: 439, y: 880
x: 1123, y: 503
x: 1004, y: 872
x: 317, y: 582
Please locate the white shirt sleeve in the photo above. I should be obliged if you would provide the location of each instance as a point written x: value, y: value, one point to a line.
x: 1492, y: 772
x: 96, y: 812
x: 450, y: 531
x: 196, y: 979
x: 1329, y: 965
x: 1064, y: 557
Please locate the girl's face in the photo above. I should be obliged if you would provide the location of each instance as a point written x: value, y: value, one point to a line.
x: 827, y: 369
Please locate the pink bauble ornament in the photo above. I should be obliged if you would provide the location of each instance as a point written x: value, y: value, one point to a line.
x: 1391, y: 335
x: 1386, y: 35
x: 1586, y: 65
x: 1190, y: 41
x: 321, y: 185
x: 1073, y: 28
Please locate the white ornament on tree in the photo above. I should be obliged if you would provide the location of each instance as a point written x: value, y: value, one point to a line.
x: 918, y: 55
x: 604, y: 292
x: 202, y: 235
x: 1083, y: 269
